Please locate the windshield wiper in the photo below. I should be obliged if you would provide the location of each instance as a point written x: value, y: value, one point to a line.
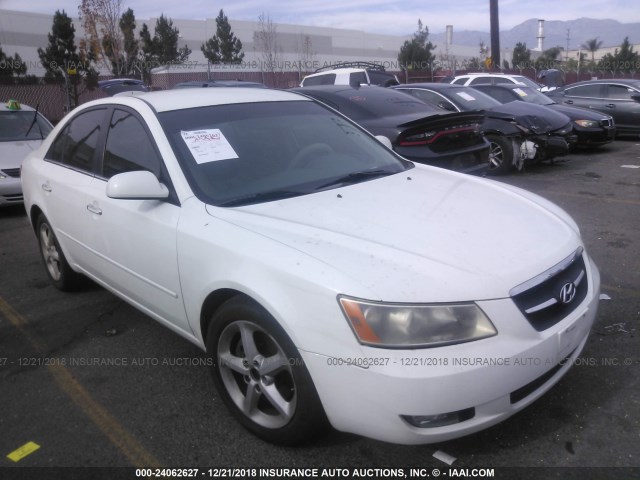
x: 260, y: 197
x: 35, y: 122
x: 356, y: 177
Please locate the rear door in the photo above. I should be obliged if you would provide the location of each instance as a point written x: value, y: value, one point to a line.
x: 65, y: 177
x: 587, y: 96
x: 619, y: 104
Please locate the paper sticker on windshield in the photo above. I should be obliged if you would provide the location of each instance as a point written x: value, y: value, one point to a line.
x: 520, y: 92
x: 208, y: 145
x: 466, y: 96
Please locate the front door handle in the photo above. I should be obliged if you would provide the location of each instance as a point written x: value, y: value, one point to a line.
x: 611, y: 105
x: 46, y: 187
x: 570, y: 102
x: 94, y: 209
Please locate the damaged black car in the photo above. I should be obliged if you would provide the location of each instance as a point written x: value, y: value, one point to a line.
x: 519, y: 133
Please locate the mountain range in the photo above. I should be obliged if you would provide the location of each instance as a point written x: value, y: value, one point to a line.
x: 610, y: 32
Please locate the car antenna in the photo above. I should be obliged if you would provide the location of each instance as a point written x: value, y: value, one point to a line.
x: 35, y: 122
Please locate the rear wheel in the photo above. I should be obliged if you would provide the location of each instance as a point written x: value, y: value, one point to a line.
x: 260, y: 375
x: 58, y: 269
x: 500, y: 154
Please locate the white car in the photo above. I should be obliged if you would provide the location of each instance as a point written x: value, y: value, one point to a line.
x: 351, y: 73
x: 22, y: 130
x: 328, y: 279
x: 471, y: 79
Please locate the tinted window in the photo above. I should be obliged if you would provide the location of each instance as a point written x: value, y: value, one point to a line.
x: 502, y: 95
x: 432, y: 98
x: 75, y: 146
x: 460, y: 81
x: 128, y: 147
x: 382, y: 78
x: 480, y: 81
x: 379, y: 102
x: 620, y: 92
x: 22, y: 125
x: 499, y: 80
x: 357, y: 78
x: 328, y: 79
x: 592, y: 91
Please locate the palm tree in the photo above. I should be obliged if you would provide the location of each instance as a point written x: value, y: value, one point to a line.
x: 592, y: 45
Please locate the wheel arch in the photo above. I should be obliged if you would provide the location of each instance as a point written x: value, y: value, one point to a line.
x: 213, y: 302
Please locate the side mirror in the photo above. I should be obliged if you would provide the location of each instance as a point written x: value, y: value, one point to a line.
x: 140, y: 185
x: 635, y: 97
x: 385, y: 141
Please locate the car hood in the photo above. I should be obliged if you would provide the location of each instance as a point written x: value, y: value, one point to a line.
x: 538, y: 118
x: 422, y: 235
x: 577, y: 113
x: 12, y: 153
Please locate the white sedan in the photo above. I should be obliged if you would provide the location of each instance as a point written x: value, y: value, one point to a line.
x: 329, y: 280
x: 22, y: 130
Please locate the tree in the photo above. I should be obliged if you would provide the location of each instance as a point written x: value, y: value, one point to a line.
x: 417, y: 53
x: 162, y: 48
x: 622, y: 60
x: 593, y: 45
x: 521, y: 56
x: 224, y: 46
x: 305, y: 54
x: 129, y: 44
x: 61, y: 59
x: 548, y: 59
x: 266, y: 41
x: 11, y: 67
x: 103, y: 37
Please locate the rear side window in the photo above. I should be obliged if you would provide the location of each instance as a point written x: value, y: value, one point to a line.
x: 358, y: 78
x: 480, y: 81
x: 128, y: 147
x: 460, y: 81
x: 620, y: 92
x: 499, y: 80
x: 76, y: 144
x: 328, y: 79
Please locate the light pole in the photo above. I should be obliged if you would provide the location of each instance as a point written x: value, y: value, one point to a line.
x: 65, y: 75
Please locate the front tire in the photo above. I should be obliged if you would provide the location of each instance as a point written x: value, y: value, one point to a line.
x: 58, y: 269
x: 260, y: 375
x: 500, y: 155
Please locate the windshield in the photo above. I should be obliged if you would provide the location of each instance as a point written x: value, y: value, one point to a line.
x: 471, y: 99
x: 526, y: 81
x: 19, y: 126
x: 248, y: 153
x: 533, y: 96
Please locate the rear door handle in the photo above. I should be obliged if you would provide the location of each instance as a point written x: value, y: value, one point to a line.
x: 611, y: 105
x: 46, y: 187
x: 570, y: 102
x: 94, y: 209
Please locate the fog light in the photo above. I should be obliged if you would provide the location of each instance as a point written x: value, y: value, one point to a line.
x: 439, y: 420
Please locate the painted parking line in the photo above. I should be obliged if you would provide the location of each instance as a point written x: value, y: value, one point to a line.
x: 130, y: 447
x: 25, y: 450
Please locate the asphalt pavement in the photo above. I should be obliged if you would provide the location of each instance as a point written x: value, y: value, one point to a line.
x: 88, y: 381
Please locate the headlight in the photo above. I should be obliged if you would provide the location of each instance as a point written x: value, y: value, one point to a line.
x: 587, y: 123
x: 412, y: 326
x: 2, y: 176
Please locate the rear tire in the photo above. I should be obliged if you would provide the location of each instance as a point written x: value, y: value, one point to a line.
x: 260, y: 375
x: 60, y: 273
x: 500, y: 155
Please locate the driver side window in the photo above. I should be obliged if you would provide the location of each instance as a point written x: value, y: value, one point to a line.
x: 128, y: 147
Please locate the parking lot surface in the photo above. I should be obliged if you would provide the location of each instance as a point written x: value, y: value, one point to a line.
x: 94, y: 383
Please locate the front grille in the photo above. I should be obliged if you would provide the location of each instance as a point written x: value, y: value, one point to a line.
x: 551, y: 296
x: 12, y: 172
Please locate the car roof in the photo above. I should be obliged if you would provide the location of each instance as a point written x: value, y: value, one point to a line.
x: 623, y: 81
x: 166, y: 100
x: 431, y: 86
x: 219, y: 83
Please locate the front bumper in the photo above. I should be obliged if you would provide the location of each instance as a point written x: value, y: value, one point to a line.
x: 10, y: 190
x: 488, y: 379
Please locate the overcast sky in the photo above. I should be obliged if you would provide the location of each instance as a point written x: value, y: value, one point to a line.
x: 374, y: 16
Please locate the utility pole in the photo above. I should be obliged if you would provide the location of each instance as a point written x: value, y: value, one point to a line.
x: 566, y: 53
x: 495, y: 33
